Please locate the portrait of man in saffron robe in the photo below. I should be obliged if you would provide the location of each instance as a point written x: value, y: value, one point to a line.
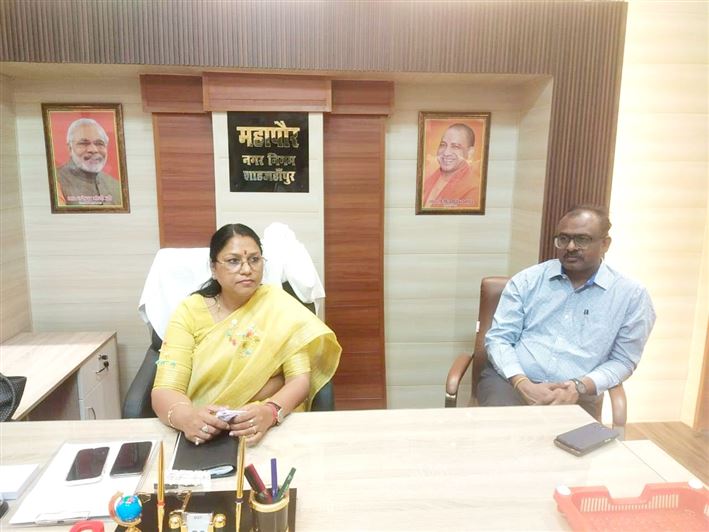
x: 452, y: 163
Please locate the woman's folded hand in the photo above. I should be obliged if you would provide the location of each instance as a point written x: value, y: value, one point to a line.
x: 253, y: 423
x: 199, y: 423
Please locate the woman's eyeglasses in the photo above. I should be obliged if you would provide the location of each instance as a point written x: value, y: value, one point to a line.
x: 234, y: 265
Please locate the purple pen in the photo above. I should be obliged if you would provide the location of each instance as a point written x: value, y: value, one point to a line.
x: 274, y: 478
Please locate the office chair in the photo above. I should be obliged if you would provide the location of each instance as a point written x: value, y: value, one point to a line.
x: 11, y: 391
x: 490, y: 292
x: 175, y: 274
x: 137, y: 403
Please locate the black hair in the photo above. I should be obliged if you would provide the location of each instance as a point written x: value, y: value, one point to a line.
x: 598, y: 210
x: 220, y: 239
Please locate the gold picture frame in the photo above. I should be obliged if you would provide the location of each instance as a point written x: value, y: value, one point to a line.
x: 451, y: 174
x: 85, y: 157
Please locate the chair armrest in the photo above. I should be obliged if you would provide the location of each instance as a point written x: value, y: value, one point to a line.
x: 137, y: 403
x: 619, y: 405
x: 455, y: 375
x: 324, y: 400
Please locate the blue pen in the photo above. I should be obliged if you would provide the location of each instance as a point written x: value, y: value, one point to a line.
x: 274, y: 478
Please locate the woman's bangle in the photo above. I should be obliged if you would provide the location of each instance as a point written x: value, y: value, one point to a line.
x: 519, y: 381
x: 274, y: 413
x: 170, y: 410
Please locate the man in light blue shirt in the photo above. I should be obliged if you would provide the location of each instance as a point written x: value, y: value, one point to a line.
x: 567, y: 329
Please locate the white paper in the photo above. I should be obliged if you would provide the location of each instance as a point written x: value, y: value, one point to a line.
x: 15, y: 478
x: 53, y: 500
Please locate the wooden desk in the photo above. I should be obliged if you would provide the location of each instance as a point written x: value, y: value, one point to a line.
x: 66, y: 377
x: 434, y: 469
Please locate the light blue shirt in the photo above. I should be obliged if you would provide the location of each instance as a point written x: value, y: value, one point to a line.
x: 550, y: 332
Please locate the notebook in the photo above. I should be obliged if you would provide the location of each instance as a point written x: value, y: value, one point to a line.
x: 217, y: 456
x: 15, y: 478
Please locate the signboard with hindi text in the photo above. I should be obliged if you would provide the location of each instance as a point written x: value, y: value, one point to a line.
x: 268, y: 152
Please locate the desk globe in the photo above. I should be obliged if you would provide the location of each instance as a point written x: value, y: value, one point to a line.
x: 126, y: 511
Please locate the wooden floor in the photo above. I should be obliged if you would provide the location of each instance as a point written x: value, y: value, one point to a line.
x: 689, y: 447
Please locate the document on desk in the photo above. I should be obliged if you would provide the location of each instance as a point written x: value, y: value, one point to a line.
x: 15, y: 478
x: 53, y: 500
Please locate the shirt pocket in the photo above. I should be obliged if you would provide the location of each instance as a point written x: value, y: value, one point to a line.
x: 597, y: 327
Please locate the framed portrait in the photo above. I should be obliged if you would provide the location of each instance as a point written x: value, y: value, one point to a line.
x: 451, y: 174
x: 85, y: 157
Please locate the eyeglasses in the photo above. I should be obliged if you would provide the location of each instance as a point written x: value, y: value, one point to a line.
x: 235, y: 265
x: 580, y: 241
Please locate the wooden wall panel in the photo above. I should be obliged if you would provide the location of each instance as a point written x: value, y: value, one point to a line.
x: 171, y: 94
x: 350, y: 97
x: 185, y: 175
x: 354, y: 255
x: 580, y: 44
x: 701, y: 419
x: 248, y: 92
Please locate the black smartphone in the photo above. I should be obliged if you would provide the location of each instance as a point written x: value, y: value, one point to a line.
x: 585, y: 439
x: 131, y: 458
x: 88, y: 465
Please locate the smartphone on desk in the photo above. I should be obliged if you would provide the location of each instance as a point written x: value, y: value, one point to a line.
x: 585, y: 439
x: 131, y: 458
x: 88, y: 465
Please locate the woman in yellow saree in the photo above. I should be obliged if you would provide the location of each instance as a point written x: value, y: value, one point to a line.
x: 237, y: 344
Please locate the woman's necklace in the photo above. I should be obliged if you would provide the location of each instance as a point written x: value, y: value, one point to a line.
x: 218, y: 299
x: 230, y: 333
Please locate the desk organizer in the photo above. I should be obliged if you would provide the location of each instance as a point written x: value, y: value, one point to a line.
x: 667, y: 506
x: 210, y: 501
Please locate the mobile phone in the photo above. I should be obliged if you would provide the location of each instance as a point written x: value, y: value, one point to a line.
x: 585, y: 439
x: 131, y: 458
x: 88, y: 465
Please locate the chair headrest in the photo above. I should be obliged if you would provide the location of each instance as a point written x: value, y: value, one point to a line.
x: 174, y: 274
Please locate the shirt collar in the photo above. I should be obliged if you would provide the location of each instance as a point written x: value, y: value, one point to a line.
x: 602, y: 277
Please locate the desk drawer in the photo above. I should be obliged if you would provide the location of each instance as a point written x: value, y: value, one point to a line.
x: 98, y: 384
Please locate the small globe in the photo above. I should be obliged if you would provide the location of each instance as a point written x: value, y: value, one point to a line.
x: 129, y: 508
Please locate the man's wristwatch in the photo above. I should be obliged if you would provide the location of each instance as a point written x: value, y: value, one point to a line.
x: 580, y: 386
x: 277, y: 412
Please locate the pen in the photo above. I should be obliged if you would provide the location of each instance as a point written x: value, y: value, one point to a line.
x: 274, y: 479
x: 240, y: 481
x: 256, y: 483
x: 161, y: 488
x: 286, y: 484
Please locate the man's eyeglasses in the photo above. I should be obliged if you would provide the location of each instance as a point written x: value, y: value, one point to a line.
x: 235, y: 265
x: 580, y: 241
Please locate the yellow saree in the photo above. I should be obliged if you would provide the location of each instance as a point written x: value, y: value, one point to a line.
x: 227, y: 363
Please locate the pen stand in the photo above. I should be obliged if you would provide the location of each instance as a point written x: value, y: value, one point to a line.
x: 212, y: 502
x: 269, y: 517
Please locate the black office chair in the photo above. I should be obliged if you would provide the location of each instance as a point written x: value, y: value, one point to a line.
x: 137, y: 403
x: 11, y: 390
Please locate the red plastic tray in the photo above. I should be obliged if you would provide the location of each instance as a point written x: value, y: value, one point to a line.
x: 669, y: 506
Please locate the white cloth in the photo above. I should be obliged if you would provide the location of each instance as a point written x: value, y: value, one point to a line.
x: 177, y: 272
x: 288, y: 260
